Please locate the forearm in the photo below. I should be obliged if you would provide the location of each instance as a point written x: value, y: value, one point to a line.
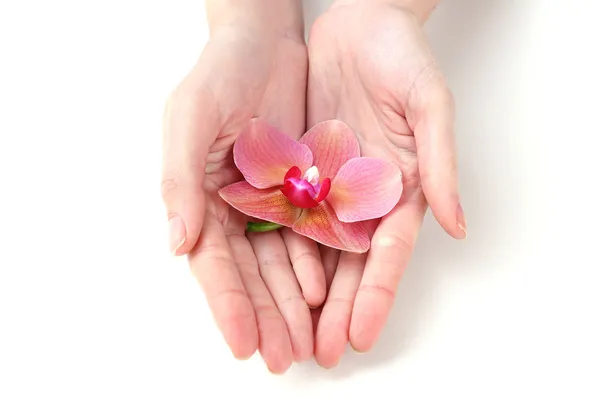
x: 420, y: 8
x: 280, y: 17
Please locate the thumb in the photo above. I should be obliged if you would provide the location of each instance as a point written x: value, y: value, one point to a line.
x: 185, y: 150
x: 432, y: 112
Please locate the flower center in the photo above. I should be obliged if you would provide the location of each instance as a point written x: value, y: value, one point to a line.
x: 307, y: 191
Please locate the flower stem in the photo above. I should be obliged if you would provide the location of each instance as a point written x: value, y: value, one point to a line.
x: 262, y: 226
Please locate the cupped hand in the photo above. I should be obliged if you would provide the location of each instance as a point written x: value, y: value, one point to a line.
x: 371, y: 67
x: 249, y: 281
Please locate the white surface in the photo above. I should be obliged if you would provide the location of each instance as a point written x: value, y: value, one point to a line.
x: 92, y: 306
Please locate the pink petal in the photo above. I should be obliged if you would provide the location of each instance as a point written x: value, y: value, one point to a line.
x: 321, y: 225
x: 332, y: 144
x: 365, y: 188
x: 264, y: 155
x: 266, y: 204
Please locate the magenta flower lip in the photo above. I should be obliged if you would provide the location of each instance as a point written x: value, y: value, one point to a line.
x: 319, y: 186
x: 307, y: 191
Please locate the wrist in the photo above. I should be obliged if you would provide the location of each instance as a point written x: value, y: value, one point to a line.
x: 420, y: 8
x: 282, y: 18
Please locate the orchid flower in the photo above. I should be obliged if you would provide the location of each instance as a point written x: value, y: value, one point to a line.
x: 319, y: 186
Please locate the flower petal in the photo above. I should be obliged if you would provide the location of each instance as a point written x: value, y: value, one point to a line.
x: 264, y: 155
x: 332, y: 144
x: 321, y: 225
x: 365, y: 188
x: 266, y: 204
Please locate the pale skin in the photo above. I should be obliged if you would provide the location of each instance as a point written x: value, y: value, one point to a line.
x: 367, y: 63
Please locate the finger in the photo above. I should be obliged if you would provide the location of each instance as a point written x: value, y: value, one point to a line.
x: 190, y: 126
x: 306, y: 261
x: 391, y: 248
x: 432, y: 117
x: 214, y: 268
x: 278, y: 275
x: 330, y: 258
x: 274, y: 340
x: 315, y: 315
x: 334, y: 324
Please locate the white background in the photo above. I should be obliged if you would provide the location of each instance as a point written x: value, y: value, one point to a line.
x: 92, y: 305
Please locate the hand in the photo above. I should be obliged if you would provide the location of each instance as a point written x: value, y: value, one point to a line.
x: 371, y: 66
x: 255, y: 64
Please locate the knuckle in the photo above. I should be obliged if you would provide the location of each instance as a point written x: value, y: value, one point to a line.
x: 442, y: 97
x: 267, y: 312
x: 393, y: 241
x: 430, y: 87
x: 191, y: 94
x: 248, y: 267
x: 277, y: 259
x: 176, y: 99
x: 446, y: 98
x: 424, y: 78
x: 182, y: 99
x: 292, y: 302
x: 306, y: 258
x: 339, y: 300
x: 378, y: 290
x: 169, y: 186
x: 428, y: 178
x: 225, y: 295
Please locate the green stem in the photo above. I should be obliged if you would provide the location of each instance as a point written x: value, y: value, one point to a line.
x: 262, y: 226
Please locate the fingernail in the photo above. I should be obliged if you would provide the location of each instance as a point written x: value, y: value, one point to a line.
x: 277, y: 372
x: 176, y: 233
x: 460, y: 220
x: 356, y: 350
x: 330, y: 366
x: 242, y: 357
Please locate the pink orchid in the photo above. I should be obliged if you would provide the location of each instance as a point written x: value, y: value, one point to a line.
x: 319, y: 186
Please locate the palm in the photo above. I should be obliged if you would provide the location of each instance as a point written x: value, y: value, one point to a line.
x: 353, y: 73
x: 245, y: 78
x: 370, y: 76
x: 254, y: 78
